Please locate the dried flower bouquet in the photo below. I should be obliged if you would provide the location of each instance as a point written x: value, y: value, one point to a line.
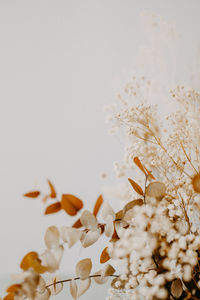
x: 156, y: 234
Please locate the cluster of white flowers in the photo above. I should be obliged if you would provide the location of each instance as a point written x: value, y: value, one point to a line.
x: 161, y: 244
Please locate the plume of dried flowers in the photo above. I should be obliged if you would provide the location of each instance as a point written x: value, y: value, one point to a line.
x: 155, y: 238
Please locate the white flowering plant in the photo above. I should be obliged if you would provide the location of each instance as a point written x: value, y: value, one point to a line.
x: 156, y: 234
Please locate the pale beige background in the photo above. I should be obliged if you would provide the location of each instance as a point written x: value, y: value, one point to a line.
x: 58, y: 62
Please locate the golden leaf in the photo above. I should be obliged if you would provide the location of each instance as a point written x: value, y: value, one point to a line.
x: 149, y: 173
x: 77, y: 224
x: 138, y: 163
x: 10, y: 296
x: 136, y: 187
x: 37, y: 266
x: 177, y: 288
x: 104, y: 256
x: 33, y: 194
x: 13, y: 288
x: 71, y: 204
x: 53, y: 191
x: 97, y: 205
x: 31, y: 260
x: 53, y: 208
x: 25, y: 263
x: 196, y: 183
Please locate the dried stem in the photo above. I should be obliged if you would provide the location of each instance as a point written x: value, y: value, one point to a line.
x: 77, y: 278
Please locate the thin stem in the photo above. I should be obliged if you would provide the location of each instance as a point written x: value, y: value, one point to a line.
x: 145, y: 186
x: 188, y: 158
x: 185, y: 212
x: 174, y: 162
x: 77, y: 278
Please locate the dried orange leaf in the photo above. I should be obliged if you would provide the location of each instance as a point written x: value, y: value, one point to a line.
x: 53, y: 208
x: 25, y: 263
x: 196, y: 183
x: 138, y: 163
x: 37, y: 267
x: 77, y: 224
x: 83, y: 268
x: 104, y: 256
x: 97, y: 205
x: 33, y: 194
x: 136, y: 187
x: 149, y: 173
x: 71, y: 204
x: 53, y: 191
x: 31, y: 260
x: 114, y: 236
x: 13, y: 288
x: 10, y: 296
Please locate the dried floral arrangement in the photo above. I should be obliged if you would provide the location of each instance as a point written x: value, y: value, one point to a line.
x: 155, y: 237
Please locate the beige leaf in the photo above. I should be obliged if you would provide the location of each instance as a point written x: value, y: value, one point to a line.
x: 88, y: 220
x: 100, y: 279
x: 156, y: 190
x: 58, y: 253
x: 120, y: 226
x: 51, y: 237
x: 49, y: 260
x: 73, y: 289
x: 117, y: 283
x: 90, y: 238
x: 70, y: 235
x: 43, y: 296
x: 107, y: 210
x: 41, y: 285
x: 176, y: 288
x: 55, y: 288
x: 109, y: 227
x: 83, y: 268
x: 83, y: 286
x: 133, y: 203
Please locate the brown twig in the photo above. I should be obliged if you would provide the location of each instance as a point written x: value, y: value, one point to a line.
x: 78, y: 278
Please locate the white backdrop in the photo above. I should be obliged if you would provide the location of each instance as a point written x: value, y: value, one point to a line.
x: 58, y: 61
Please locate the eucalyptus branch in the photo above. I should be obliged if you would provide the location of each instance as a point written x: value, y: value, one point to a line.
x: 78, y: 278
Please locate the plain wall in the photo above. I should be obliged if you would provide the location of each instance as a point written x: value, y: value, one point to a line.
x: 59, y: 62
